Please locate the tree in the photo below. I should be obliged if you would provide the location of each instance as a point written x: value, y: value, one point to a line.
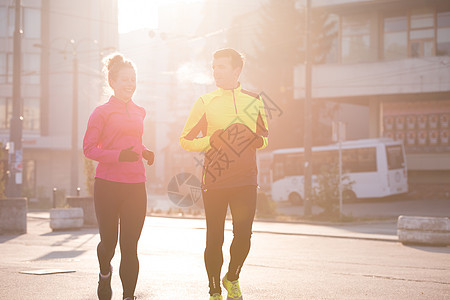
x: 279, y: 48
x: 326, y: 191
x: 89, y: 173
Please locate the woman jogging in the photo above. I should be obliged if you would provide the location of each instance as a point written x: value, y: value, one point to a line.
x: 114, y: 139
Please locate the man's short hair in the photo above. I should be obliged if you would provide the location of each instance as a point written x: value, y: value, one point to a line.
x: 237, y: 60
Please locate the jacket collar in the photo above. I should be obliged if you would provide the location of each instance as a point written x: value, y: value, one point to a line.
x: 115, y: 100
x: 228, y: 92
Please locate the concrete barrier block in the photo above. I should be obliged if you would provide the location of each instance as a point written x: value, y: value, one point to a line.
x: 87, y: 204
x: 423, y: 230
x: 66, y: 218
x: 423, y: 223
x: 13, y: 216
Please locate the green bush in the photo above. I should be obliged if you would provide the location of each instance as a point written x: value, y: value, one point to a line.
x: 89, y: 173
x: 326, y: 192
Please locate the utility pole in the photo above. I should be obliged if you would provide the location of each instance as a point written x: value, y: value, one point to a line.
x: 74, y: 151
x: 308, y: 113
x: 14, y: 188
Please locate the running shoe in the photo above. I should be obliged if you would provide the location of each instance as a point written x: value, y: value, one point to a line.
x: 233, y: 289
x: 216, y: 297
x: 104, y: 291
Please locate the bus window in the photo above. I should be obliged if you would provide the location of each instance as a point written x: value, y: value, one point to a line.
x: 294, y: 165
x: 350, y: 160
x: 359, y: 160
x: 395, y: 157
x: 323, y: 160
x: 367, y: 160
x: 278, y: 167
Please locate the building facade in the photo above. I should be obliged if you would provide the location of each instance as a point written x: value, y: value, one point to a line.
x: 63, y: 42
x: 392, y: 58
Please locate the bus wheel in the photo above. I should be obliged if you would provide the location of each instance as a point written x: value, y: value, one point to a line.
x: 349, y: 196
x: 295, y: 199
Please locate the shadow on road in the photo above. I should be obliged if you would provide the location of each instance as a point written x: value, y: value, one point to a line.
x: 61, y: 255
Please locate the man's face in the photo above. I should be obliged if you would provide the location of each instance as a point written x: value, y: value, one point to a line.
x: 225, y: 75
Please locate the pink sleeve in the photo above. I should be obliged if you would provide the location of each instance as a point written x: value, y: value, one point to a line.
x: 91, y: 140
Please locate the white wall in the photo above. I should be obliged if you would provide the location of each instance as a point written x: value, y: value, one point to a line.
x: 411, y: 75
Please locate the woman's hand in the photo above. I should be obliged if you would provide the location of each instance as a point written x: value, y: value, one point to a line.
x: 128, y: 155
x: 149, y: 156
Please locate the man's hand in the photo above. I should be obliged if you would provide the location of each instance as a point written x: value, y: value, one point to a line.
x: 128, y: 155
x: 258, y: 142
x: 149, y: 156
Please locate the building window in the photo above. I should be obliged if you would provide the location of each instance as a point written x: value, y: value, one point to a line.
x: 32, y: 23
x: 31, y: 114
x: 332, y: 55
x: 9, y: 67
x: 3, y: 67
x: 421, y: 33
x: 11, y: 21
x: 443, y: 33
x: 395, y: 42
x: 5, y: 112
x: 3, y: 21
x: 355, y: 43
x: 414, y: 34
x: 31, y: 65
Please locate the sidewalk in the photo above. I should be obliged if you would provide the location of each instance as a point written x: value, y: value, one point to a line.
x: 386, y: 209
x: 381, y: 230
x: 383, y: 225
x: 380, y: 208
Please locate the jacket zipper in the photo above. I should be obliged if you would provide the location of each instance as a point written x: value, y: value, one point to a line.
x: 234, y: 100
x: 126, y: 109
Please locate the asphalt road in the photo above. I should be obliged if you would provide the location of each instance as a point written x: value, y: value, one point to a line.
x: 287, y: 261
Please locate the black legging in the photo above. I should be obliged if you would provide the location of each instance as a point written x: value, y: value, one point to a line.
x: 127, y: 202
x: 242, y: 201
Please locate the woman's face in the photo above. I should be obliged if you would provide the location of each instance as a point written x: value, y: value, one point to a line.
x: 124, y: 84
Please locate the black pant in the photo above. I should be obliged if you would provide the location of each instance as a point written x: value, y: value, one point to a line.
x: 242, y: 201
x: 127, y: 202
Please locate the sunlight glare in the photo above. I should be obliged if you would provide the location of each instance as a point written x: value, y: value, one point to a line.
x: 138, y: 14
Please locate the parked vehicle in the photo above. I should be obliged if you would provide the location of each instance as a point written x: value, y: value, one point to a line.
x: 377, y: 168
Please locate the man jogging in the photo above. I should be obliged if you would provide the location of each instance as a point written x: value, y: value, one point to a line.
x: 233, y: 125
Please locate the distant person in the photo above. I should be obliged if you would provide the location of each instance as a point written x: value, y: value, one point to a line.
x: 114, y: 139
x: 233, y: 125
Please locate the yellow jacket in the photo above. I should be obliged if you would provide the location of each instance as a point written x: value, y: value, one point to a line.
x: 233, y: 164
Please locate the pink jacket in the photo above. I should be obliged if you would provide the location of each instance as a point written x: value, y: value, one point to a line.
x: 112, y: 127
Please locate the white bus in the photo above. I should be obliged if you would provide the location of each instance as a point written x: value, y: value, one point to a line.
x: 377, y: 168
